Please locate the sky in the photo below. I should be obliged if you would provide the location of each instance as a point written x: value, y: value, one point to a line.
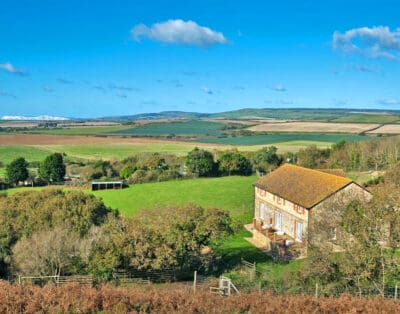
x: 105, y: 58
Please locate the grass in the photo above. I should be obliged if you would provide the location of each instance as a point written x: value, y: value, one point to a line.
x: 234, y: 194
x: 279, y: 138
x: 30, y: 153
x: 121, y: 150
x: 195, y: 127
x: 369, y: 118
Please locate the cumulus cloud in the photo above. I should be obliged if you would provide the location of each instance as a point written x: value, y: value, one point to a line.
x: 206, y: 90
x: 8, y: 67
x: 390, y: 102
x: 374, y: 42
x: 279, y: 88
x: 179, y: 32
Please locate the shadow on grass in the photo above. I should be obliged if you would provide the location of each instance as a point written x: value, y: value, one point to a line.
x: 234, y: 248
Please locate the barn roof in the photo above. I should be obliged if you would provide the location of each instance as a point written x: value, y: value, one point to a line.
x: 302, y: 186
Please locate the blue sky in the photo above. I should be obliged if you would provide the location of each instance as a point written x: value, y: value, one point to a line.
x: 97, y: 58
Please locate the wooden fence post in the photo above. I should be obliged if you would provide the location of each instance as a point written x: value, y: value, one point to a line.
x: 194, y: 281
x: 395, y: 292
x: 316, y: 290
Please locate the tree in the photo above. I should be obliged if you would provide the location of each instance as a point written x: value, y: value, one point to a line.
x: 266, y: 159
x: 26, y: 213
x: 200, y: 162
x: 368, y: 237
x: 234, y: 163
x: 52, y: 169
x: 50, y: 252
x: 160, y: 238
x: 312, y: 156
x: 17, y: 171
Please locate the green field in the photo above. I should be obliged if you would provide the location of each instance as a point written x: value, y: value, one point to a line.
x: 196, y: 127
x: 121, y: 150
x: 369, y: 118
x: 234, y: 194
x: 286, y: 138
x: 30, y: 153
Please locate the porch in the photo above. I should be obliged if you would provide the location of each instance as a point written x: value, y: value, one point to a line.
x: 274, y: 242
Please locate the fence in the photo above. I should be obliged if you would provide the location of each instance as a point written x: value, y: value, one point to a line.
x: 58, y: 280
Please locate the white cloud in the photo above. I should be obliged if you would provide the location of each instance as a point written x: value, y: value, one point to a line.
x: 390, y: 102
x: 8, y: 67
x: 375, y: 42
x: 279, y: 88
x: 179, y: 32
x: 206, y: 90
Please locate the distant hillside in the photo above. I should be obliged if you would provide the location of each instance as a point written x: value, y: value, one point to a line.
x: 159, y: 115
x: 268, y: 113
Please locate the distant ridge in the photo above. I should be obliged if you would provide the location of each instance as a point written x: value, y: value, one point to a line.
x: 311, y: 114
x: 37, y: 118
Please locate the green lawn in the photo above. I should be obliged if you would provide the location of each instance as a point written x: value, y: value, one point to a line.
x: 234, y: 194
x: 279, y: 138
x: 196, y: 127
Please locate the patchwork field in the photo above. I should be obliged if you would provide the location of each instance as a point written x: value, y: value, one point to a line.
x: 197, y: 127
x: 285, y: 139
x: 387, y: 129
x: 369, y: 118
x: 313, y: 127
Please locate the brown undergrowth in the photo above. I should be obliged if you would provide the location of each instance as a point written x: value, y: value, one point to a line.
x: 28, y: 298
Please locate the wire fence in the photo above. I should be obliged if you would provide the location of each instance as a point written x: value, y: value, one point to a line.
x: 246, y: 278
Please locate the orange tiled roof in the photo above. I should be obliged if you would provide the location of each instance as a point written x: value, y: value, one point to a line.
x: 302, y: 186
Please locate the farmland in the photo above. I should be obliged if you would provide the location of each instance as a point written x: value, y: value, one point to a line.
x: 285, y: 139
x: 369, y: 118
x: 196, y: 127
x: 234, y: 194
x: 314, y: 127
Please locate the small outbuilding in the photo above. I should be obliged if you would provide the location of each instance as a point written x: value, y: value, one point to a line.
x: 107, y: 185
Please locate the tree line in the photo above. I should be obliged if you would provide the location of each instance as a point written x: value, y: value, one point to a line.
x: 54, y: 232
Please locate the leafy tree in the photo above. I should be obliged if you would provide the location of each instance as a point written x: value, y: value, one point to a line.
x: 200, y: 162
x: 52, y: 169
x: 26, y: 213
x: 127, y: 171
x: 234, y: 163
x: 312, y: 156
x: 266, y: 159
x: 165, y: 238
x: 17, y: 171
x: 368, y: 237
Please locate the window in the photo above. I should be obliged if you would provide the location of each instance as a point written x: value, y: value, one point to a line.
x: 299, y: 231
x: 278, y: 221
x: 262, y: 211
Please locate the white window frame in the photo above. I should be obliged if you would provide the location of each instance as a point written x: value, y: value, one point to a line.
x: 262, y: 211
x: 278, y: 227
x: 297, y: 234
